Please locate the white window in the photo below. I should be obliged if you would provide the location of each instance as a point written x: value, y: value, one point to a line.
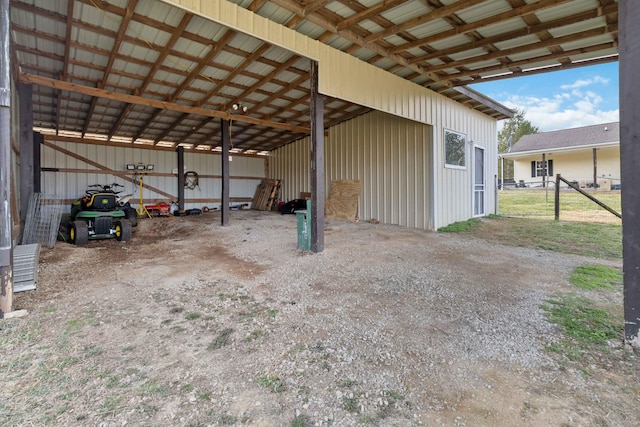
x: 541, y: 168
x: 455, y: 149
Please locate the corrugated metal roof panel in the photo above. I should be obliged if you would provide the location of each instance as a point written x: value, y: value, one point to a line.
x: 583, y: 43
x: 502, y: 27
x: 311, y: 30
x: 578, y: 27
x: 517, y: 42
x: 406, y: 11
x: 89, y: 13
x: 429, y: 28
x: 244, y: 80
x: 483, y: 10
x: 215, y: 73
x: 532, y: 54
x: 229, y: 59
x: 370, y: 26
x: 275, y: 13
x: 566, y: 9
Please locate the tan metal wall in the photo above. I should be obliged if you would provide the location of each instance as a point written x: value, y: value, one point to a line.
x: 454, y: 187
x: 75, y: 173
x: 345, y: 77
x: 390, y: 156
x: 401, y: 165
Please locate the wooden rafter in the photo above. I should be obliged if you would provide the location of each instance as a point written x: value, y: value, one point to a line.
x: 513, y: 13
x: 511, y: 35
x: 134, y: 99
x: 389, y: 34
x: 419, y: 20
x: 156, y: 65
x: 505, y: 53
x: 353, y: 37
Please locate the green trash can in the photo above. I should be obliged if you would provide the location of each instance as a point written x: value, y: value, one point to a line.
x: 304, y: 227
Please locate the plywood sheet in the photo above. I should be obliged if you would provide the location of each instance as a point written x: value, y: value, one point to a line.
x: 343, y: 200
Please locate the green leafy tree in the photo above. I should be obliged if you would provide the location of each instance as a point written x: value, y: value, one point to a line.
x: 514, y: 129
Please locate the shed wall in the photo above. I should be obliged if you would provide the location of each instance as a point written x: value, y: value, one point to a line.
x: 345, y: 77
x: 390, y: 156
x: 69, y: 175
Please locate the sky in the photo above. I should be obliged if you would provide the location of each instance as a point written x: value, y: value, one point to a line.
x: 561, y: 99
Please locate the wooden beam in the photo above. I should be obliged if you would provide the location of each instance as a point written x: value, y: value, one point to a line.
x: 463, y: 29
x: 526, y: 62
x: 629, y: 16
x: 530, y: 29
x: 175, y: 36
x: 317, y: 163
x: 224, y: 125
x: 180, y: 158
x: 353, y: 37
x: 477, y: 96
x: 6, y: 165
x: 25, y: 95
x: 134, y: 99
x: 367, y: 13
x: 124, y: 24
x: 120, y: 174
x: 438, y: 13
x: 527, y: 48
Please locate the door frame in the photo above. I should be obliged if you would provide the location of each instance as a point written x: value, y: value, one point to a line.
x: 484, y: 180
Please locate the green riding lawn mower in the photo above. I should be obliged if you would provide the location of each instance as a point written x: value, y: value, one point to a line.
x: 101, y: 214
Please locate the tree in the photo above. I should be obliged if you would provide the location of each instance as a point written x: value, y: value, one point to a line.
x: 514, y: 128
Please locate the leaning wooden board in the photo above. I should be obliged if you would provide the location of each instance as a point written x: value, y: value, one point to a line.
x: 343, y: 200
x: 266, y: 195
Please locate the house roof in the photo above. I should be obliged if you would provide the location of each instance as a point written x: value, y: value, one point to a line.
x: 151, y: 72
x: 587, y: 136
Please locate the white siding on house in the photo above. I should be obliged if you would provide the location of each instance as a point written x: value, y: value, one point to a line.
x: 575, y: 165
x: 246, y: 173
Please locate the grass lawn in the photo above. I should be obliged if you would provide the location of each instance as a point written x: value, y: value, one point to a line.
x: 573, y: 237
x: 573, y: 205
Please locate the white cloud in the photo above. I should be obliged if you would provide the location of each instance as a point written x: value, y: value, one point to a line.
x: 564, y: 110
x: 585, y: 82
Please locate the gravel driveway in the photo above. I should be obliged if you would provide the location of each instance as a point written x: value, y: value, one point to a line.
x: 191, y: 323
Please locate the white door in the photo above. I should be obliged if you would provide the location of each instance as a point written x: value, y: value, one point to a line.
x: 478, y: 181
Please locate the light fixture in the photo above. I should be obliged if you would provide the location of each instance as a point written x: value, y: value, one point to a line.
x: 150, y: 167
x: 131, y: 166
x: 140, y: 166
x: 239, y: 108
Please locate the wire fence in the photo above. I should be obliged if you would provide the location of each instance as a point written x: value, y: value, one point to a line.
x: 537, y: 199
x: 43, y: 219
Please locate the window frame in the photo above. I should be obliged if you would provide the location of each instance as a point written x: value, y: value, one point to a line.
x: 464, y: 154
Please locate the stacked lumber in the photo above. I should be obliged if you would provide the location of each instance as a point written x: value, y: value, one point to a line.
x: 343, y: 200
x: 266, y: 196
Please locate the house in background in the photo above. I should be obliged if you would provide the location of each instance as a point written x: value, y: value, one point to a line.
x: 587, y: 155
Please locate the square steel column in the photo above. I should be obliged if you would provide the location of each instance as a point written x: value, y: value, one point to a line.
x: 629, y: 49
x: 317, y: 163
x: 26, y: 149
x: 226, y: 142
x: 180, y: 152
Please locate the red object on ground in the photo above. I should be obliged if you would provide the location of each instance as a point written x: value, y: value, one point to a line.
x: 160, y: 209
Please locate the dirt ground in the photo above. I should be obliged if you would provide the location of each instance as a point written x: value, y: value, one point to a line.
x: 194, y: 324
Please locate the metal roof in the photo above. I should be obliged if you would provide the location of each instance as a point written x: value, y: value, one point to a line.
x: 169, y: 57
x: 586, y: 136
